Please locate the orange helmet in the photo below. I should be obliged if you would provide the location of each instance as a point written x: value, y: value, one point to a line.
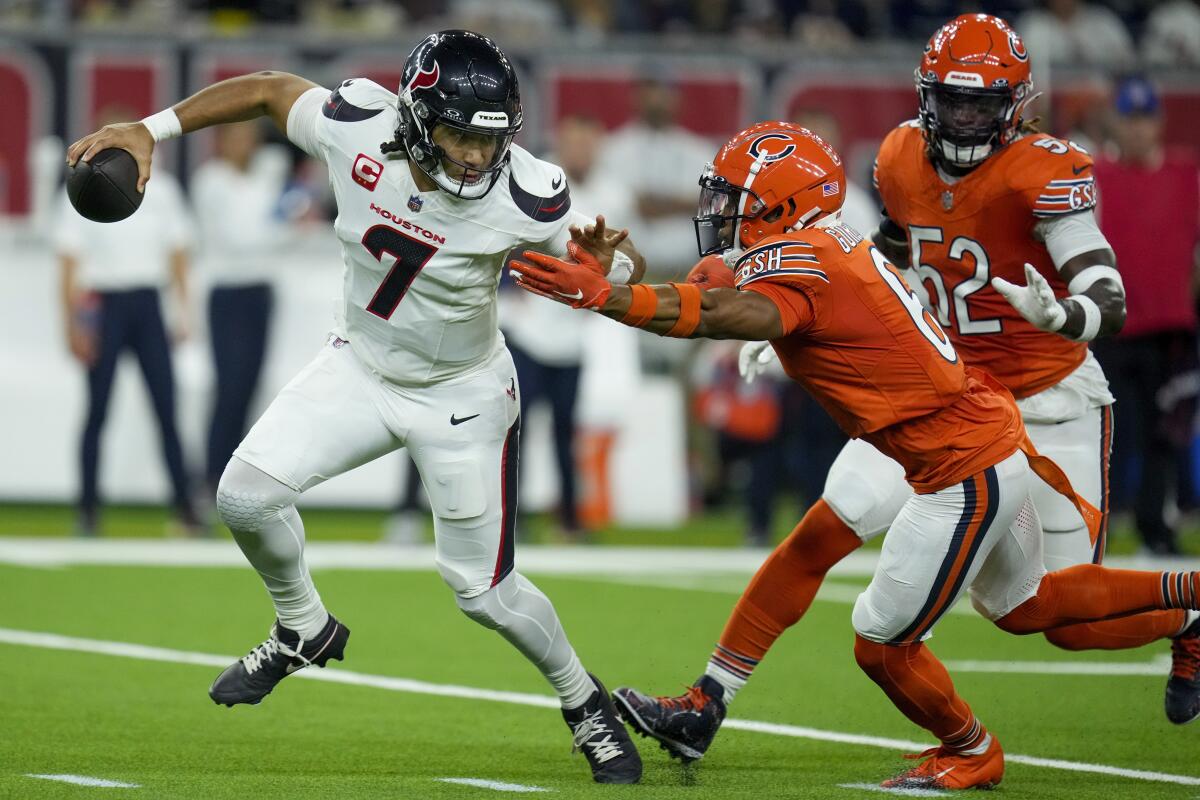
x: 973, y: 83
x: 770, y: 178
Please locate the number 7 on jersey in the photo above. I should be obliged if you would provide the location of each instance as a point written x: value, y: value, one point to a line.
x: 411, y: 257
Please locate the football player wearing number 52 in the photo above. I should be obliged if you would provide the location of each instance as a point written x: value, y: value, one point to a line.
x: 431, y: 195
x: 850, y: 330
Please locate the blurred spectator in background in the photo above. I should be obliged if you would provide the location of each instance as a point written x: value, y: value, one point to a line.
x: 512, y: 20
x: 745, y: 418
x: 819, y: 28
x: 1172, y: 36
x: 111, y: 276
x: 237, y: 197
x: 660, y: 162
x: 547, y: 339
x: 1150, y: 211
x: 1074, y: 33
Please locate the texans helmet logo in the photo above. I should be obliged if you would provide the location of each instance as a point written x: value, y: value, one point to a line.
x: 424, y: 79
x: 759, y: 153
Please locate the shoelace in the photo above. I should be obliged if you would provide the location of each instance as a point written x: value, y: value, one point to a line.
x: 924, y: 770
x: 263, y: 653
x: 1185, y: 661
x: 591, y: 726
x: 694, y: 699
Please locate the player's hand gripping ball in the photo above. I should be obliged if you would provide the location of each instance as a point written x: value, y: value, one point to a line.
x: 105, y: 188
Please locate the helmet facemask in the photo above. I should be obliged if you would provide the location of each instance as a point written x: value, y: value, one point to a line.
x: 722, y: 207
x: 965, y: 124
x: 433, y: 141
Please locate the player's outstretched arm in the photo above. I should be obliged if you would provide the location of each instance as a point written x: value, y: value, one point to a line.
x: 238, y: 99
x: 604, y: 243
x: 681, y: 310
x: 1095, y: 307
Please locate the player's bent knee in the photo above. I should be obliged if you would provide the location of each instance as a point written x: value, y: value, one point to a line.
x: 1024, y: 619
x: 487, y: 605
x: 871, y: 656
x: 247, y: 497
x: 1069, y: 638
x: 873, y: 625
x: 513, y: 604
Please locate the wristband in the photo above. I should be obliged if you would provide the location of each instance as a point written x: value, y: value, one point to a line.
x: 689, y: 310
x: 164, y: 125
x: 1091, y: 317
x: 1087, y: 277
x: 643, y: 302
x: 622, y: 268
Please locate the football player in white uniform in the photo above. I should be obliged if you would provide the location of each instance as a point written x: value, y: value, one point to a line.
x: 431, y: 195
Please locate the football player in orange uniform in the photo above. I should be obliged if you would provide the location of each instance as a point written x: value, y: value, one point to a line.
x: 996, y: 221
x: 848, y: 328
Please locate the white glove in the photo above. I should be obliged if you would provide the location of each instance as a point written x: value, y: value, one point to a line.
x: 1035, y: 301
x: 753, y: 359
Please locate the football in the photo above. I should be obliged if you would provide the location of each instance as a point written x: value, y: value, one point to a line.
x: 105, y: 190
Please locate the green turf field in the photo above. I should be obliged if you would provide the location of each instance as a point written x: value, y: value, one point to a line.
x: 150, y: 722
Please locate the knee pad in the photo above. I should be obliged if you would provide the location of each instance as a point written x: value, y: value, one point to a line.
x: 873, y: 623
x: 490, y: 608
x: 247, y: 497
x: 866, y: 489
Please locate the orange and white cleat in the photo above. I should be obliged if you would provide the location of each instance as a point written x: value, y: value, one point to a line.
x: 945, y: 769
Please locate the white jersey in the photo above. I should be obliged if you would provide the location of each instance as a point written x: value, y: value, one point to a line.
x: 421, y: 268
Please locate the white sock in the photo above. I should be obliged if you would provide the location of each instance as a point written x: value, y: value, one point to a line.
x: 729, y: 682
x: 1188, y: 619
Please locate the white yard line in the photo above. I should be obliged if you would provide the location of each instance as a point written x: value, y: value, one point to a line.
x: 544, y: 559
x: 58, y: 642
x: 875, y: 787
x: 1158, y: 668
x: 84, y: 780
x: 497, y: 786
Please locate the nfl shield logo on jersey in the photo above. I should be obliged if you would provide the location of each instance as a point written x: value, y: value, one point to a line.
x: 415, y: 202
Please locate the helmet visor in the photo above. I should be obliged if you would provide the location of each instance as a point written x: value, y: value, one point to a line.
x: 721, y: 206
x: 470, y: 156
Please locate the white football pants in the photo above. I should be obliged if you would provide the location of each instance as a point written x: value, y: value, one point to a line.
x: 866, y: 489
x: 981, y: 535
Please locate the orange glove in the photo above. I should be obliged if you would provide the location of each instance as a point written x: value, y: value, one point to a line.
x: 579, y: 283
x: 711, y: 273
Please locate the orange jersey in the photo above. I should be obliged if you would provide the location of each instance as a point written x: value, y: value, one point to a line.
x: 859, y: 341
x: 964, y: 234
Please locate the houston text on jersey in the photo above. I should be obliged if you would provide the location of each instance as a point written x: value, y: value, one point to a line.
x: 406, y: 225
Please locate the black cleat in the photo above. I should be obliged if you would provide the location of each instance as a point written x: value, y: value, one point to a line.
x: 1183, y: 687
x: 252, y: 677
x: 684, y: 725
x: 598, y: 732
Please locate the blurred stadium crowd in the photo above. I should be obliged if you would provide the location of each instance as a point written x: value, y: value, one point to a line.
x: 1107, y: 32
x: 748, y: 444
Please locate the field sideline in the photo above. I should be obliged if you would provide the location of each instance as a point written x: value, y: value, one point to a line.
x: 101, y: 686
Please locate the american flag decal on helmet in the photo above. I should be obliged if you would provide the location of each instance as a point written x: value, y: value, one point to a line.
x: 829, y: 189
